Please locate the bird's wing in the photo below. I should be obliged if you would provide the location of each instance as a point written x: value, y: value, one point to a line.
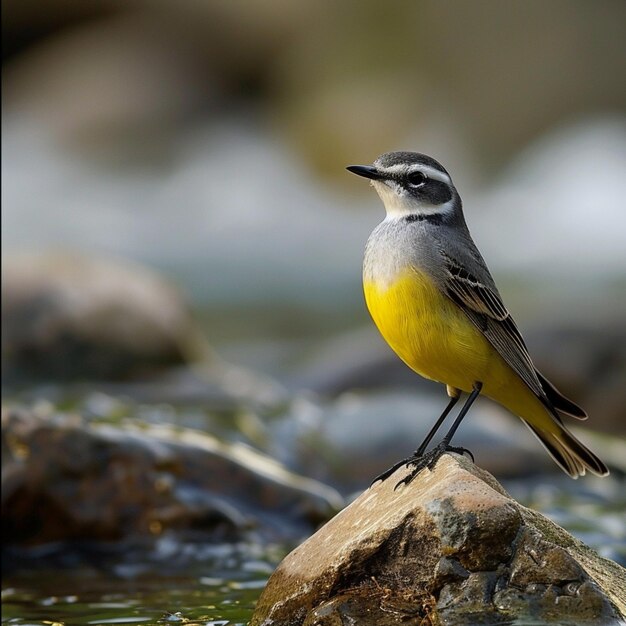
x: 484, y: 307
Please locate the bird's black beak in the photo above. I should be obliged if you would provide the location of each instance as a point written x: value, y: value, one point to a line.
x: 367, y: 171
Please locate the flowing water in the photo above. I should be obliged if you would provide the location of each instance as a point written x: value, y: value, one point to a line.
x: 178, y: 583
x: 182, y: 580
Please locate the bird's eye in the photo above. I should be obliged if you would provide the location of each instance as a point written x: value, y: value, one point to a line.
x: 416, y: 179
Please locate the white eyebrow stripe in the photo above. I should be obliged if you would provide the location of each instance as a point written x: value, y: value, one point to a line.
x: 434, y: 174
x: 430, y: 172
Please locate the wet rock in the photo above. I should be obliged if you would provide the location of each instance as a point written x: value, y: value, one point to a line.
x: 450, y: 548
x: 66, y: 479
x: 72, y: 317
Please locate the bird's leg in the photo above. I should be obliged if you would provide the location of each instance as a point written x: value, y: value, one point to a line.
x: 430, y: 459
x: 455, y: 394
x: 454, y: 397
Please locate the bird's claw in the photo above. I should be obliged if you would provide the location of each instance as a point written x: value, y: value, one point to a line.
x: 461, y: 451
x: 382, y: 477
x: 429, y: 460
x: 419, y: 462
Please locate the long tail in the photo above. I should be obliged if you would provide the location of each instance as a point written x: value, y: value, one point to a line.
x: 558, y: 400
x: 569, y: 453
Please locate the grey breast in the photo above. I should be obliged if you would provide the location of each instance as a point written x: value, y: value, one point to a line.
x: 395, y: 245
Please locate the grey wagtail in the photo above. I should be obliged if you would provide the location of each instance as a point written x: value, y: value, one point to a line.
x: 434, y: 301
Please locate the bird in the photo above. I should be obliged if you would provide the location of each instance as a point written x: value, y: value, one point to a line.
x: 434, y: 301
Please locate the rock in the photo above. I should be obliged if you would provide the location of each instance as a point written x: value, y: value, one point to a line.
x: 450, y: 548
x: 65, y: 479
x: 72, y: 317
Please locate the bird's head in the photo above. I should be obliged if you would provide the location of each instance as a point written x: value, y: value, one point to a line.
x: 410, y: 183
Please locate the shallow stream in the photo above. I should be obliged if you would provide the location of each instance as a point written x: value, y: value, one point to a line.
x: 217, y: 585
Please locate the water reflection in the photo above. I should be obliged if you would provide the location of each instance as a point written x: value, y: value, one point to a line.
x: 157, y: 594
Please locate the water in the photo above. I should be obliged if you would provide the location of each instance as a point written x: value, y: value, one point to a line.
x: 178, y: 580
x: 220, y: 589
x: 218, y: 585
x: 187, y: 601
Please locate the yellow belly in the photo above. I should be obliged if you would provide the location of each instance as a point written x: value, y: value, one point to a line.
x: 435, y: 339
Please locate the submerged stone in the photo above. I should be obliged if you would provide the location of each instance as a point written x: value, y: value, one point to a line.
x: 450, y: 548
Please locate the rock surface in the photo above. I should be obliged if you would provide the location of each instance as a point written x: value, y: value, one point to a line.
x: 67, y: 479
x: 450, y: 548
x: 75, y: 317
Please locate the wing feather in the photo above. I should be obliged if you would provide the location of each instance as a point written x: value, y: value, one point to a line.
x: 484, y: 307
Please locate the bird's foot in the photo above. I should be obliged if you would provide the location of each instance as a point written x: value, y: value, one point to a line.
x: 419, y: 460
x: 393, y: 468
x: 461, y: 451
x: 427, y: 460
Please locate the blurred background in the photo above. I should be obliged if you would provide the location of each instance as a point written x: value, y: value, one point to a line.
x: 209, y: 140
x: 181, y: 165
